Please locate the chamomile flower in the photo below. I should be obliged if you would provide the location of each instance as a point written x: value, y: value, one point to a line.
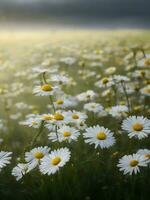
x: 34, y: 122
x: 20, y: 170
x: 100, y: 136
x: 118, y: 111
x: 76, y: 117
x: 65, y: 133
x: 89, y: 95
x: 145, y: 90
x: 144, y: 62
x: 104, y: 82
x: 45, y: 90
x: 34, y: 157
x: 93, y: 107
x: 60, y: 79
x: 4, y: 158
x: 138, y: 127
x: 51, y: 163
x: 130, y: 164
x: 120, y: 78
x: 144, y: 152
x: 68, y: 60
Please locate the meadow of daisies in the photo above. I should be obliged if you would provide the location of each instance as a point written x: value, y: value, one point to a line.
x: 74, y: 115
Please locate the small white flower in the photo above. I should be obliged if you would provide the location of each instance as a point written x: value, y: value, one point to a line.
x: 99, y: 136
x: 45, y: 90
x: 65, y: 133
x: 138, y: 127
x: 4, y: 158
x: 144, y: 152
x: 20, y: 170
x: 105, y: 82
x: 35, y: 155
x: 145, y: 90
x: 93, y: 107
x: 76, y: 117
x: 56, y: 159
x: 118, y: 111
x: 144, y: 62
x: 130, y: 164
x: 89, y: 95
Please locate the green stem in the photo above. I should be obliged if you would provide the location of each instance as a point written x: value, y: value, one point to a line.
x: 38, y: 134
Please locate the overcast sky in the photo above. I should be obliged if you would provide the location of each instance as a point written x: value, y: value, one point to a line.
x: 73, y: 12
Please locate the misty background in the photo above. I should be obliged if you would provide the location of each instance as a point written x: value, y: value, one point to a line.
x: 74, y: 13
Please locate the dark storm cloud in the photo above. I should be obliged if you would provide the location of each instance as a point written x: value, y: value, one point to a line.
x: 76, y: 11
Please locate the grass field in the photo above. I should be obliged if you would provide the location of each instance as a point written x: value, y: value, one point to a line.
x: 74, y: 80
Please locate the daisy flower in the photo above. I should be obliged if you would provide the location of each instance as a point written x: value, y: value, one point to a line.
x: 145, y: 62
x: 4, y: 158
x: 144, y: 152
x: 118, y: 111
x: 99, y: 136
x: 130, y: 164
x: 76, y: 117
x: 104, y: 82
x: 45, y: 90
x: 51, y: 163
x: 138, y: 127
x: 34, y: 122
x: 120, y: 78
x: 60, y: 79
x: 65, y: 133
x: 89, y: 95
x: 145, y: 90
x: 93, y: 107
x: 68, y: 60
x: 35, y: 155
x: 19, y: 171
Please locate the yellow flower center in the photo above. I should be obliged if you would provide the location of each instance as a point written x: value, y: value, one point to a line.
x: 47, y: 117
x: 58, y: 116
x: 147, y: 61
x: 67, y: 134
x: 134, y: 163
x: 34, y: 123
x: 147, y: 156
x: 60, y: 102
x: 137, y: 127
x: 56, y: 160
x: 38, y: 155
x: 147, y: 91
x: 105, y: 80
x: 75, y: 116
x: 101, y: 136
x: 143, y: 73
x: 46, y: 88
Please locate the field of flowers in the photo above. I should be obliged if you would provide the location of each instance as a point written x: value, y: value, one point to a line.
x: 74, y: 115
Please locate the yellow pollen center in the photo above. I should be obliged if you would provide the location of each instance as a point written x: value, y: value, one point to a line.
x: 134, y: 163
x: 56, y: 160
x: 47, y: 117
x: 147, y: 156
x: 60, y: 102
x: 67, y: 134
x: 34, y: 123
x: 38, y: 155
x: 137, y: 127
x: 58, y: 116
x: 105, y: 80
x: 75, y: 116
x: 147, y: 61
x: 101, y: 136
x: 46, y: 88
x: 147, y: 91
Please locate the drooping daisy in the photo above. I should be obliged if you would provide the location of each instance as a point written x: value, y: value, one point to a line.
x: 130, y: 164
x: 93, y: 107
x: 45, y: 90
x: 51, y: 163
x: 118, y: 111
x: 65, y: 133
x: 99, y: 136
x: 35, y: 155
x: 138, y: 127
x: 20, y: 170
x: 4, y: 158
x: 144, y: 152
